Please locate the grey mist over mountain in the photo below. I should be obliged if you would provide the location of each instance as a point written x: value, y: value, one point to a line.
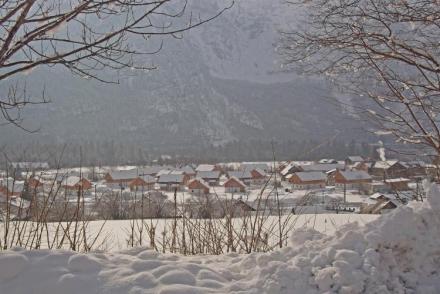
x: 220, y: 84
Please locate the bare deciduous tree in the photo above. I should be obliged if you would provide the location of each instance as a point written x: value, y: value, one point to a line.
x: 386, y: 50
x: 84, y: 36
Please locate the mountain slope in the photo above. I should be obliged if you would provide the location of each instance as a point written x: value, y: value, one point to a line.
x: 219, y: 84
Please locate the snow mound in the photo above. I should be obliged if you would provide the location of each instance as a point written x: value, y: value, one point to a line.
x: 397, y: 253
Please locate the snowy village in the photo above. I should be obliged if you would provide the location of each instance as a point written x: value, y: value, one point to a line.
x: 353, y: 185
x: 219, y: 146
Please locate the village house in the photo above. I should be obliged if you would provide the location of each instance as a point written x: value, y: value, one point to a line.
x: 243, y: 175
x: 416, y: 169
x: 198, y: 186
x: 365, y: 166
x: 254, y: 165
x: 189, y: 171
x: 398, y: 184
x: 172, y: 182
x: 379, y: 197
x: 34, y: 183
x: 321, y: 167
x: 210, y: 177
x: 288, y: 170
x: 207, y: 167
x: 380, y: 207
x: 142, y: 183
x: 388, y: 169
x: 350, y: 160
x: 258, y: 176
x: 359, y: 180
x: 150, y: 170
x: 120, y: 178
x: 75, y: 183
x: 234, y: 185
x: 308, y: 180
x: 379, y: 187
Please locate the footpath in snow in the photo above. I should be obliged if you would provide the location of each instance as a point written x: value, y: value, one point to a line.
x: 397, y: 253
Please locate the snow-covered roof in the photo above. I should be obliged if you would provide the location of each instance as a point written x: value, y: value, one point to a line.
x: 124, y: 174
x: 252, y: 166
x: 351, y: 175
x: 170, y: 178
x: 205, y: 167
x: 286, y: 169
x: 376, y: 196
x: 385, y: 164
x: 208, y: 174
x: 355, y: 158
x: 200, y: 180
x: 324, y: 167
x: 164, y: 171
x: 241, y: 174
x: 148, y: 179
x: 236, y: 180
x: 311, y: 176
x: 397, y: 180
x: 150, y: 170
x: 187, y: 169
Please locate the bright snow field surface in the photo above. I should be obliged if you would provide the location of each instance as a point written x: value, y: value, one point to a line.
x: 397, y: 253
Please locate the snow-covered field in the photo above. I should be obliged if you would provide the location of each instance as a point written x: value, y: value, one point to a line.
x: 397, y: 253
x: 113, y: 235
x: 116, y: 233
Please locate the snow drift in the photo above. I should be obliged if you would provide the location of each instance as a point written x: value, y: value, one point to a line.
x: 397, y: 253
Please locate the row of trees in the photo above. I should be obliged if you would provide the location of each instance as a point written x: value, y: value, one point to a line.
x: 114, y: 153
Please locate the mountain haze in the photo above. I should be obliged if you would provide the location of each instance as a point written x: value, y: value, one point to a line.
x: 219, y: 84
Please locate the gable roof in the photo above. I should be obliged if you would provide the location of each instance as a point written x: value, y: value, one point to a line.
x: 324, y: 167
x: 355, y: 158
x: 187, y: 169
x: 123, y: 174
x: 148, y: 179
x: 205, y: 167
x: 198, y: 180
x: 208, y: 174
x: 385, y: 164
x: 286, y: 170
x: 235, y: 180
x: 170, y: 178
x: 352, y: 175
x: 240, y: 174
x: 150, y: 170
x: 250, y: 166
x: 311, y: 176
x: 258, y: 172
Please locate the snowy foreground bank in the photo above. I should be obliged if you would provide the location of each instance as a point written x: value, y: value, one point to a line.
x: 397, y: 253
